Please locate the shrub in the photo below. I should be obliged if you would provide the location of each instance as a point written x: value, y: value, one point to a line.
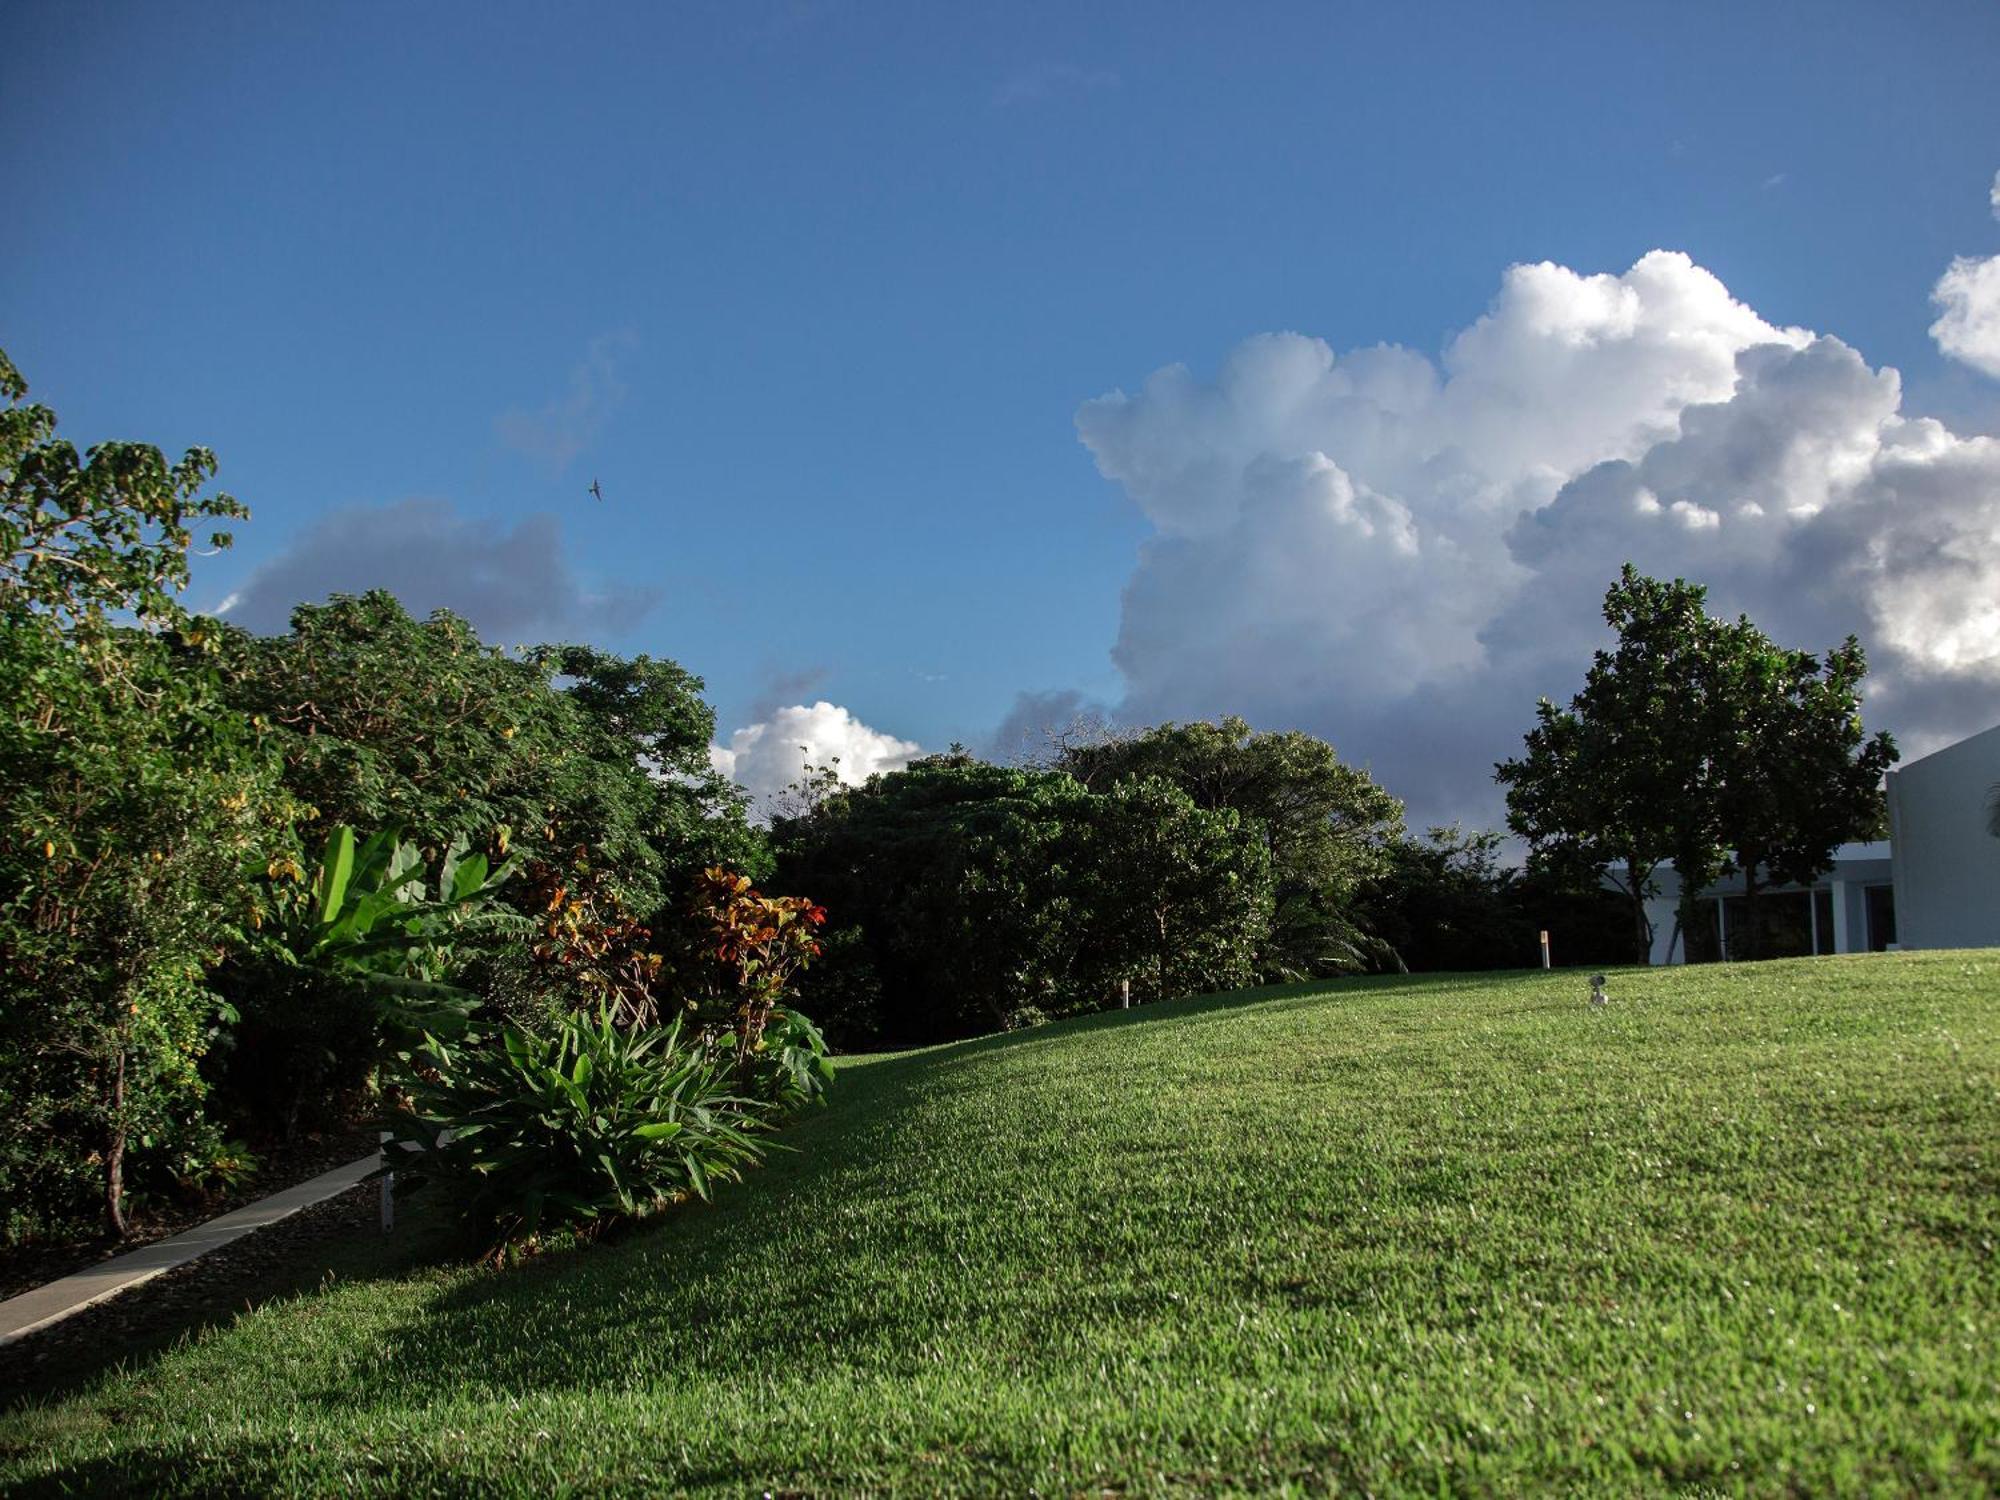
x: 358, y: 959
x: 761, y: 943
x: 789, y: 1068
x: 588, y: 1125
x: 1447, y: 902
x: 587, y: 950
x: 843, y: 989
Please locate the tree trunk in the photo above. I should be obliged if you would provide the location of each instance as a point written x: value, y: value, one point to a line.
x: 114, y: 1156
x: 1642, y: 930
x: 1753, y: 946
x: 1687, y: 912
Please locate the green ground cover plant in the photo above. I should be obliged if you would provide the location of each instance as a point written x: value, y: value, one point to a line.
x: 1734, y: 1233
x: 592, y: 1122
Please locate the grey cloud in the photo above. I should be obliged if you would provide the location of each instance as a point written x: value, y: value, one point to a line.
x: 555, y: 433
x: 513, y: 584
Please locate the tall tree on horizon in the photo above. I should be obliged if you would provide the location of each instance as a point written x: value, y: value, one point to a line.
x: 1697, y: 742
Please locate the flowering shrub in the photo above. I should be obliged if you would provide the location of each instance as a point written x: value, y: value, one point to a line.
x: 594, y: 1111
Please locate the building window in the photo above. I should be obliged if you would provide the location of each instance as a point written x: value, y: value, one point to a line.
x: 1786, y: 920
x: 1881, y: 902
x: 1796, y: 924
x: 1702, y: 943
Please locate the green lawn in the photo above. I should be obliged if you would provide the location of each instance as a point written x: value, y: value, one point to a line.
x: 1735, y: 1234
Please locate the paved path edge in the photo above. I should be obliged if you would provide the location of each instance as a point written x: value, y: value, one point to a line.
x: 51, y: 1303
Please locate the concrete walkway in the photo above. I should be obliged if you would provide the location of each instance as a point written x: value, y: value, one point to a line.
x: 22, y: 1315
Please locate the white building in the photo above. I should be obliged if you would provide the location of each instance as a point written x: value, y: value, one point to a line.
x: 1934, y: 884
x: 1947, y: 857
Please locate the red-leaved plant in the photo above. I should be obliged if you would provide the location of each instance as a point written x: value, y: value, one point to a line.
x: 761, y: 942
x: 587, y: 946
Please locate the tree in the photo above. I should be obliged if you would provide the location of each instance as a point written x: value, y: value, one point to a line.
x: 1795, y: 775
x: 107, y: 533
x: 383, y: 720
x: 1176, y: 895
x: 1695, y: 741
x: 958, y: 877
x: 134, y: 809
x: 1324, y: 825
x: 1449, y: 901
x: 989, y: 897
x: 1617, y: 784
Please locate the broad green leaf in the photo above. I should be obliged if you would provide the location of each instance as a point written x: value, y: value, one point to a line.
x: 335, y: 867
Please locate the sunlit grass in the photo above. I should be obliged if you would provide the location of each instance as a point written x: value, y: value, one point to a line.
x: 1738, y: 1232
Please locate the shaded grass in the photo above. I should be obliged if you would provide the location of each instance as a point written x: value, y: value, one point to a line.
x: 1452, y: 1233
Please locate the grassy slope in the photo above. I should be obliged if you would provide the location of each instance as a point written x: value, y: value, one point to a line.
x: 1461, y: 1233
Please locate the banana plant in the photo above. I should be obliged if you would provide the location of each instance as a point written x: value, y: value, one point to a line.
x: 371, y: 914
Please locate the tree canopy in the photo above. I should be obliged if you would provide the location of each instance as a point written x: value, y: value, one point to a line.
x: 383, y: 719
x: 1325, y: 826
x: 1698, y: 741
x: 134, y: 809
x: 162, y: 776
x: 989, y: 896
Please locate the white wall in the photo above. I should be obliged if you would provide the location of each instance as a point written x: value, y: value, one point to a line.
x: 1947, y: 864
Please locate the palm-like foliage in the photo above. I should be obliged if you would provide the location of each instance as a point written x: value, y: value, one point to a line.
x: 591, y: 1123
x: 370, y: 916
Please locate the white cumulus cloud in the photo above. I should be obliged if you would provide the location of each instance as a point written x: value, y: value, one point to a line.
x: 766, y: 757
x: 1403, y: 553
x: 1967, y: 297
x: 1968, y: 325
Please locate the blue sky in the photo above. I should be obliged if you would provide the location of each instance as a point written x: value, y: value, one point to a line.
x: 817, y: 292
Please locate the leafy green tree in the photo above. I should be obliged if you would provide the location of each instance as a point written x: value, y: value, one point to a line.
x: 134, y: 807
x: 1175, y: 895
x: 1696, y: 741
x: 1450, y: 902
x: 104, y: 533
x: 383, y: 720
x: 1324, y: 825
x: 1619, y: 783
x: 958, y: 876
x: 1796, y: 775
x: 988, y: 896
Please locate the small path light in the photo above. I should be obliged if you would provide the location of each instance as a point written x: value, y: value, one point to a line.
x: 1597, y: 995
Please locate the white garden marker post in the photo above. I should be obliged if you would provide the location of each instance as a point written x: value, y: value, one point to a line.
x: 1124, y: 994
x: 1545, y: 947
